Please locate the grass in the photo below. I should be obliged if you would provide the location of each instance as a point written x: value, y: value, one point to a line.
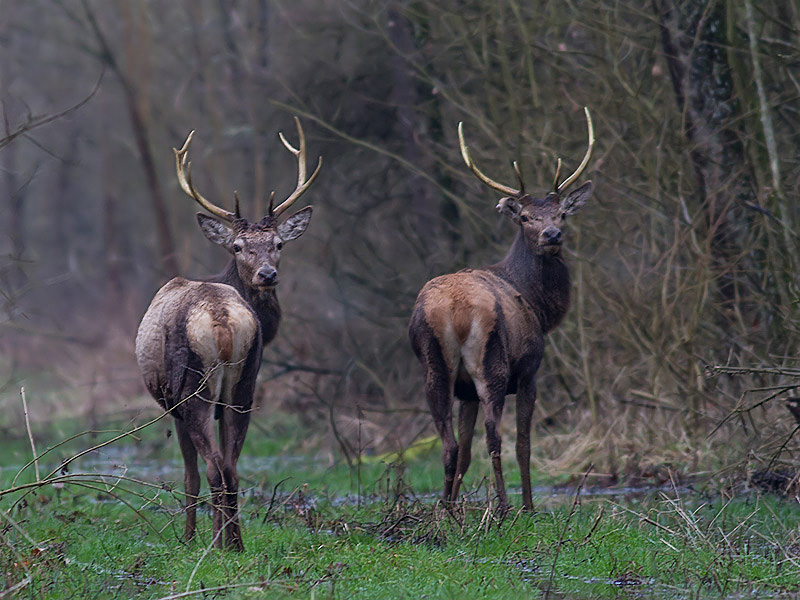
x: 373, y: 532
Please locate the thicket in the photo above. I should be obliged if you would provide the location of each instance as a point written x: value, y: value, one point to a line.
x: 683, y: 265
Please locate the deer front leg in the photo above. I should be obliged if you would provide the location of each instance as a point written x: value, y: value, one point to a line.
x: 526, y: 399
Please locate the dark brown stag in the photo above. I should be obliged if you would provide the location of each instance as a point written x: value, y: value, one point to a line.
x: 480, y: 333
x: 199, y: 344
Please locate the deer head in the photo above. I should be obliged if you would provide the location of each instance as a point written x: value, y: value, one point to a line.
x: 541, y: 219
x: 256, y: 247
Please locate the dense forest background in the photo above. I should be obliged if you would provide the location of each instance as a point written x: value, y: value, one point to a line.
x: 683, y: 333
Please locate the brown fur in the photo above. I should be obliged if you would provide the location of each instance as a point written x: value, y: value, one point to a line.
x: 224, y: 337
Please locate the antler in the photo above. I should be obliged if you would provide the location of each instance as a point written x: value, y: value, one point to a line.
x: 490, y: 182
x: 184, y: 170
x: 571, y: 179
x: 302, y: 183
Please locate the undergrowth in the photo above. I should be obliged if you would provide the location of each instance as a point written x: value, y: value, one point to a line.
x: 108, y: 525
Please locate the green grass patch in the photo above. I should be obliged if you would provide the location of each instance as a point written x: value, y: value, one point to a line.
x: 110, y: 527
x: 85, y: 544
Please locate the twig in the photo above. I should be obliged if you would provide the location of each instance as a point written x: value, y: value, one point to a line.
x: 205, y: 553
x: 468, y: 212
x: 51, y: 477
x: 783, y: 447
x: 289, y: 367
x: 219, y: 588
x: 272, y: 499
x: 728, y: 370
x: 645, y: 519
x: 594, y: 525
x: 34, y: 122
x: 30, y: 433
x: 17, y: 586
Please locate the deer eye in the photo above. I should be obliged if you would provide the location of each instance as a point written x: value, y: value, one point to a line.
x: 237, y: 247
x: 279, y: 245
x: 524, y: 218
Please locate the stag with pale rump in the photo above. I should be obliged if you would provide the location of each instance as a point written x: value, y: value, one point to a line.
x: 480, y: 333
x: 199, y: 343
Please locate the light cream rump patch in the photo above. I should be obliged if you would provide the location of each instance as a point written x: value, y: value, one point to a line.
x: 221, y: 334
x: 460, y: 308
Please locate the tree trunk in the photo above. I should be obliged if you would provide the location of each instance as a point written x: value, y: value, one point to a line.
x: 169, y: 262
x: 115, y: 297
x: 693, y: 34
x: 408, y: 126
x: 15, y: 192
x: 62, y: 218
x: 240, y: 82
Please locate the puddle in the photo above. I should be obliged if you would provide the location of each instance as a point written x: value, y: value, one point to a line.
x: 629, y: 585
x: 119, y: 574
x: 257, y: 480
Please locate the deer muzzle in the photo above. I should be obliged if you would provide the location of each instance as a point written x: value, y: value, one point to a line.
x: 550, y: 237
x: 266, y: 277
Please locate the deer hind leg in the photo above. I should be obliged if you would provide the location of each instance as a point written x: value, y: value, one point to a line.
x: 438, y: 392
x: 439, y: 381
x: 467, y: 415
x: 490, y: 373
x: 191, y: 478
x: 234, y: 421
x: 233, y: 427
x: 198, y: 423
x: 440, y: 402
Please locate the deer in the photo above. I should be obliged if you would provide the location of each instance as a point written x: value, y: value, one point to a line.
x: 200, y: 342
x: 480, y: 333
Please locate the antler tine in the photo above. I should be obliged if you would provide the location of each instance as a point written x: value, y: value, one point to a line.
x: 519, y: 178
x: 571, y: 179
x: 558, y: 173
x: 184, y: 171
x: 236, y: 210
x: 302, y: 183
x: 490, y: 182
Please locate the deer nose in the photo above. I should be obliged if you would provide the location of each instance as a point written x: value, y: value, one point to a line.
x: 551, y: 235
x: 267, y: 276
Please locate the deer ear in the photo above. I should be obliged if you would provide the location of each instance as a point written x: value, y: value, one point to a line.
x: 215, y: 231
x: 510, y: 207
x: 296, y: 225
x: 577, y: 198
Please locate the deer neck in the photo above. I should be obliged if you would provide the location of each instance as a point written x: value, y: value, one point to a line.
x: 541, y: 279
x: 263, y: 302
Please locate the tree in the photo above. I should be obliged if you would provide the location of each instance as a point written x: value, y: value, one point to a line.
x: 694, y: 38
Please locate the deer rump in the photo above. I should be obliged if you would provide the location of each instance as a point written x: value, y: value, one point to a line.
x: 474, y: 323
x: 200, y: 332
